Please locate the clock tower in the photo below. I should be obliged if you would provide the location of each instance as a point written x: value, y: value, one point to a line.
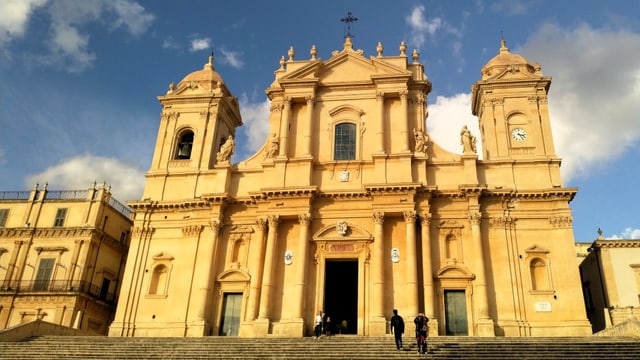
x: 511, y: 104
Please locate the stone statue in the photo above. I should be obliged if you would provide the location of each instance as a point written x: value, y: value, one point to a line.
x: 274, y: 146
x: 468, y: 141
x: 421, y: 141
x: 226, y: 150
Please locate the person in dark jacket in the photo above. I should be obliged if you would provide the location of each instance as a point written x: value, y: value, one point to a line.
x: 422, y: 331
x: 397, y: 328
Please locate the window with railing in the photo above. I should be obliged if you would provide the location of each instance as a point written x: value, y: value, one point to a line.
x: 43, y: 275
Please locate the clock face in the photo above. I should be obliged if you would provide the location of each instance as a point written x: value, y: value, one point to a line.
x: 518, y: 134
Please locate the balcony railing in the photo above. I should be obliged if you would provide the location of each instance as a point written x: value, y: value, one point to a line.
x: 39, y: 287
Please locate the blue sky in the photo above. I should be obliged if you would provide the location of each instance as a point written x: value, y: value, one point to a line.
x: 79, y: 80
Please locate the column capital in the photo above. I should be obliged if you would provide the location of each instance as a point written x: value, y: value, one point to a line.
x: 425, y: 219
x: 475, y: 217
x: 261, y: 223
x: 378, y: 217
x: 215, y: 224
x: 304, y: 218
x: 274, y: 220
x: 410, y: 216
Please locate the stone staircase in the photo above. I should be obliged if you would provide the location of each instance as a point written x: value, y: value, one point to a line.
x: 335, y: 347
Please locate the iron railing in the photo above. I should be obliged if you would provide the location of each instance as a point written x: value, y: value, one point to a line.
x: 59, y: 287
x: 15, y: 195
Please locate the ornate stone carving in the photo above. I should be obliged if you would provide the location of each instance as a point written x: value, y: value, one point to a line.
x: 410, y: 216
x: 274, y: 220
x: 261, y: 223
x: 342, y: 227
x: 215, y: 225
x: 468, y: 141
x: 304, y: 218
x: 561, y: 221
x: 191, y: 230
x: 378, y: 217
x: 425, y: 219
x: 226, y: 150
x: 475, y: 217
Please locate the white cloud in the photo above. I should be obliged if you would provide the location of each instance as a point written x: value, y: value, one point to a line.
x: 200, y: 44
x: 447, y: 117
x: 15, y: 16
x: 232, y: 58
x: 628, y: 233
x: 130, y: 15
x: 420, y: 26
x: 69, y: 42
x: 126, y: 181
x: 593, y: 100
x: 255, y: 117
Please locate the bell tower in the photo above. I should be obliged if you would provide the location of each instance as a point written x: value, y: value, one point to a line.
x: 196, y: 135
x: 511, y: 104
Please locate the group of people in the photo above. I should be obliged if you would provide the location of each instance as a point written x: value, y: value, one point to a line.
x: 324, y: 325
x: 422, y: 330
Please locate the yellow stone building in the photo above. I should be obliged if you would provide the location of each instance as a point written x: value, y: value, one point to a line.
x: 610, y: 276
x: 62, y: 257
x: 351, y: 208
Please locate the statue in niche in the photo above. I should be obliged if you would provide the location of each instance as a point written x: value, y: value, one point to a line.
x: 468, y: 141
x: 274, y: 146
x: 226, y: 150
x: 421, y: 141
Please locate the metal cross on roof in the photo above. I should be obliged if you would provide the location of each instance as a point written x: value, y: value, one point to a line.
x: 348, y: 21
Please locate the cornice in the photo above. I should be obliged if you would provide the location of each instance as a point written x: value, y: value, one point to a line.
x: 302, y: 191
x: 47, y: 232
x: 610, y: 244
x: 392, y: 188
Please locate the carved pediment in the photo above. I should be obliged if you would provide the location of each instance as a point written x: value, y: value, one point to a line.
x: 234, y: 275
x: 162, y: 256
x: 346, y: 66
x: 353, y: 232
x: 454, y: 272
x: 535, y: 249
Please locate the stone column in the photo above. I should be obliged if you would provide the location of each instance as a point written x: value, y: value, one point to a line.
x: 427, y: 272
x: 284, y: 127
x: 378, y: 324
x: 267, y: 275
x: 404, y: 121
x: 300, y: 264
x: 256, y: 266
x: 411, y: 261
x: 380, y: 132
x: 484, y: 322
x: 309, y: 126
x: 202, y: 285
x: 262, y: 323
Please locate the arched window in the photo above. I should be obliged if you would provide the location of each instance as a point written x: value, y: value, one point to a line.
x: 538, y: 271
x: 158, y: 280
x: 185, y: 143
x: 344, y: 147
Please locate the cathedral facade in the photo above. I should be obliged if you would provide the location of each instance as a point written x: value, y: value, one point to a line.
x: 350, y: 208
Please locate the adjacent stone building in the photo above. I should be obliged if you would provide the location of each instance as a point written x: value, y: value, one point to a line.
x: 610, y: 276
x: 352, y: 208
x: 62, y: 257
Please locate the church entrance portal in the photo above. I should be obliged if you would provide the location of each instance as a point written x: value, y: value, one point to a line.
x: 455, y: 305
x: 231, y: 306
x: 341, y: 294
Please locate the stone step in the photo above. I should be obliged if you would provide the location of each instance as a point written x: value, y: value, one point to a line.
x: 336, y: 347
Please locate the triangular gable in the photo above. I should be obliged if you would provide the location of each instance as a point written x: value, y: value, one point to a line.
x: 346, y: 66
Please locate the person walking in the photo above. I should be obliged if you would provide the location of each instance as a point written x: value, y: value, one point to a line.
x: 318, y: 329
x: 422, y: 332
x: 397, y: 328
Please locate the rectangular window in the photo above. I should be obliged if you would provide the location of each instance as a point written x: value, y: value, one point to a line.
x: 61, y: 214
x: 345, y: 142
x: 43, y: 276
x: 4, y: 213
